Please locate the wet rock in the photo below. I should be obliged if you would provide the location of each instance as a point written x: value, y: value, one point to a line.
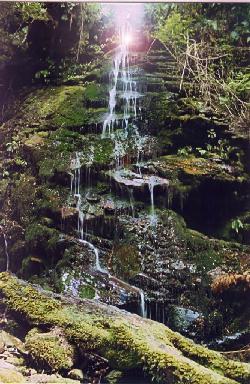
x: 131, y: 179
x: 178, y: 265
x: 76, y: 374
x: 113, y: 377
x: 92, y: 198
x: 182, y: 319
x: 216, y: 272
x: 109, y: 207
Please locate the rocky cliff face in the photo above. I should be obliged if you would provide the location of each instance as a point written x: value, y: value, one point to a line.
x: 103, y: 216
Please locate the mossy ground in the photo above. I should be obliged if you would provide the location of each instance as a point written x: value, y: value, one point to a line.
x: 49, y: 351
x: 124, y: 339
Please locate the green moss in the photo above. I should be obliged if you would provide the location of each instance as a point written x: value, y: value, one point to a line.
x: 50, y: 198
x: 50, y: 108
x: 194, y: 166
x: 11, y: 376
x: 23, y: 197
x: 94, y: 92
x: 103, y: 151
x: 49, y: 351
x: 206, y: 253
x: 71, y: 111
x: 48, y: 167
x: 41, y: 236
x: 233, y: 369
x: 86, y: 292
x: 124, y: 339
x: 126, y: 261
x: 34, y: 141
x: 56, y: 106
x: 93, y: 151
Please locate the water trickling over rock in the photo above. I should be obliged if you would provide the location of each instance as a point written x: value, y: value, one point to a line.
x: 143, y: 311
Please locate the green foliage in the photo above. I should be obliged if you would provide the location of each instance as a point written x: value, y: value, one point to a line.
x: 214, y: 148
x: 237, y: 225
x: 174, y: 29
x: 86, y: 292
x: 240, y: 84
x: 12, y: 146
x: 204, y: 39
x: 15, y: 21
x: 185, y: 151
x: 30, y: 11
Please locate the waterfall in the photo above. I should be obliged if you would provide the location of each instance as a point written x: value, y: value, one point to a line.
x: 109, y: 121
x: 75, y: 179
x: 121, y: 73
x: 6, y: 249
x: 75, y: 186
x: 96, y: 252
x: 131, y: 200
x: 6, y: 252
x: 152, y: 181
x: 142, y: 305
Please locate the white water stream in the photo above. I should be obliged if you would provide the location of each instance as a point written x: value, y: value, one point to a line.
x: 6, y: 249
x: 121, y: 74
x: 142, y: 304
x: 6, y: 253
x: 96, y: 252
x: 75, y: 191
x: 152, y: 181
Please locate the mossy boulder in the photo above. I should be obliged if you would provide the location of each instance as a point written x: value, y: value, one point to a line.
x: 53, y: 107
x: 9, y: 374
x: 125, y: 260
x: 124, y: 339
x: 49, y: 351
x: 189, y: 167
x: 38, y: 235
x: 56, y: 163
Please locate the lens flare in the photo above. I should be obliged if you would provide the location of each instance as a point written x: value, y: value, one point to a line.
x: 127, y: 39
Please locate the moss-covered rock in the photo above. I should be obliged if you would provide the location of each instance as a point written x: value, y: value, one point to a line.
x: 126, y: 261
x: 189, y: 167
x: 40, y: 236
x: 54, y: 107
x: 126, y: 340
x: 10, y: 375
x: 49, y: 351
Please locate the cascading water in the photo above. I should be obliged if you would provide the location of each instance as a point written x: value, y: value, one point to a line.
x: 121, y: 74
x: 75, y: 187
x: 76, y: 175
x: 152, y: 181
x: 6, y: 249
x: 128, y: 136
x: 109, y: 121
x: 96, y: 252
x: 143, y: 311
x: 6, y: 253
